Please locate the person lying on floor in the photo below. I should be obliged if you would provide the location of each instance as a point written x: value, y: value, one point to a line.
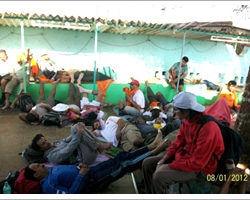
x: 119, y: 132
x: 42, y: 107
x: 80, y: 146
x: 85, y: 104
x: 151, y: 128
x: 64, y: 179
x: 160, y: 101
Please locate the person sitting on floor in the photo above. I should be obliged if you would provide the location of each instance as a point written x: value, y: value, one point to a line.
x: 158, y: 100
x: 230, y: 95
x: 84, y: 179
x: 135, y: 100
x: 119, y: 132
x: 42, y: 106
x: 192, y: 151
x: 155, y: 99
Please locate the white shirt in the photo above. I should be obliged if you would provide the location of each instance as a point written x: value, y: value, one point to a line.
x: 7, y: 67
x: 139, y: 99
x: 109, y: 130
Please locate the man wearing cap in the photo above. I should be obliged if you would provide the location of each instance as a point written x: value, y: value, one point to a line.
x: 135, y: 100
x: 192, y: 151
x: 174, y: 72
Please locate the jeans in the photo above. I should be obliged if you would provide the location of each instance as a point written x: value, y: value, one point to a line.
x: 111, y: 170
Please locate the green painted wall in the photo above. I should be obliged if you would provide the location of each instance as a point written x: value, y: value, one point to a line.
x: 114, y: 92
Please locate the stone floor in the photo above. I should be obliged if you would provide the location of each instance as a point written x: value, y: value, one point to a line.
x: 15, y: 135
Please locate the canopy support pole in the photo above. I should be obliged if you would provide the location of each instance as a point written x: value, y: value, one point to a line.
x: 23, y: 63
x: 95, y: 55
x: 182, y: 49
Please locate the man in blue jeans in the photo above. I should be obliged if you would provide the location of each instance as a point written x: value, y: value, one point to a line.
x: 75, y: 179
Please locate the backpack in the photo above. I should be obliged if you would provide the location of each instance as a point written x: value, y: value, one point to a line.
x: 25, y: 186
x: 233, y: 143
x: 55, y: 118
x: 11, y: 178
x: 32, y: 155
x: 25, y: 102
x: 88, y: 119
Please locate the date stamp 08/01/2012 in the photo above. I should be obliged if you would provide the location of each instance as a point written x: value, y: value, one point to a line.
x: 227, y: 177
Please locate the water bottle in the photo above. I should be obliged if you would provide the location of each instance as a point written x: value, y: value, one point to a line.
x: 6, y: 188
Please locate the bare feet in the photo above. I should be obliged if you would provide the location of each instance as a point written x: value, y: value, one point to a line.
x: 12, y: 106
x: 83, y: 168
x: 72, y: 79
x: 7, y: 105
x: 156, y: 142
x: 80, y: 78
x: 80, y: 127
x: 104, y: 146
x: 161, y: 147
x: 56, y: 82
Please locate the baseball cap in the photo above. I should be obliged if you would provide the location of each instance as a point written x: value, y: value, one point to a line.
x: 155, y: 108
x: 134, y: 82
x: 187, y: 100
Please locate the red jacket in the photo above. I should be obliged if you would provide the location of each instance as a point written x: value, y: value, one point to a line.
x: 196, y: 156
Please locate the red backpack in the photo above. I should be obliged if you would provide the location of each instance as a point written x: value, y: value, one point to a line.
x: 26, y: 186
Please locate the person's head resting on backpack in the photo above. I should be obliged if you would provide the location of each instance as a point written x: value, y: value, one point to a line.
x: 36, y: 171
x: 31, y: 118
x: 40, y: 143
x: 186, y: 106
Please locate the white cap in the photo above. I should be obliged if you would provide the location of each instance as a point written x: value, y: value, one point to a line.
x: 155, y: 108
x: 60, y: 107
x: 187, y: 100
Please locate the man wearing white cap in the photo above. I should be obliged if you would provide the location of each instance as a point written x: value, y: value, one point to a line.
x: 192, y: 151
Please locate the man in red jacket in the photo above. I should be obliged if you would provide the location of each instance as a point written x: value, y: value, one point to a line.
x: 191, y: 152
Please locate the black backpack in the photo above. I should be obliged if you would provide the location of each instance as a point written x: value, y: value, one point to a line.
x: 32, y: 155
x: 25, y: 102
x: 233, y: 143
x: 88, y: 121
x: 54, y: 118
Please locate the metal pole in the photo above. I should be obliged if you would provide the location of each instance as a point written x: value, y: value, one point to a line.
x: 23, y: 63
x: 96, y: 39
x: 179, y: 74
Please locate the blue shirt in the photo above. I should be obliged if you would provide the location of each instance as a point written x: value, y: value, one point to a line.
x: 63, y: 179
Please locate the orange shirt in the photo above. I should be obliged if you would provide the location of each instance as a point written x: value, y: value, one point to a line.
x: 230, y: 97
